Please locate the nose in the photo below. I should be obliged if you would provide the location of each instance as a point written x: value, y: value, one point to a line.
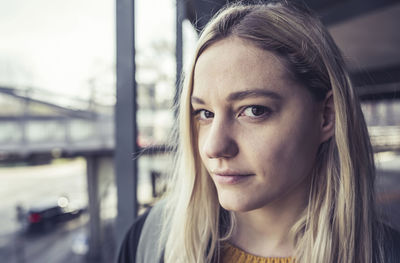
x: 219, y: 141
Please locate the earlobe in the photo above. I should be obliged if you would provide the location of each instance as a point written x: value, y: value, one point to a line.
x: 328, y: 117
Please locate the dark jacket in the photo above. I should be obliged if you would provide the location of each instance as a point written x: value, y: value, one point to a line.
x: 127, y: 253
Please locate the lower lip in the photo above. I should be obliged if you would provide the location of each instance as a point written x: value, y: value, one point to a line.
x: 230, y: 179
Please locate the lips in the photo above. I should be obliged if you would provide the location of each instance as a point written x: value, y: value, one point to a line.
x: 229, y: 176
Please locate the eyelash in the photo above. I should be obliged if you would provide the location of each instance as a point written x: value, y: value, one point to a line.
x: 266, y: 111
x: 197, y: 113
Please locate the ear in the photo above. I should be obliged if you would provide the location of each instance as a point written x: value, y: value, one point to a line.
x: 328, y: 117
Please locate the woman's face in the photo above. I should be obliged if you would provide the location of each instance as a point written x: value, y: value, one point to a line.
x: 258, y: 130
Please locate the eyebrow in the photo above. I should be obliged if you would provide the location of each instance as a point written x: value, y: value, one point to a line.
x: 240, y: 95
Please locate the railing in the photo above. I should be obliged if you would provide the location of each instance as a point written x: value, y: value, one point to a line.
x: 28, y: 135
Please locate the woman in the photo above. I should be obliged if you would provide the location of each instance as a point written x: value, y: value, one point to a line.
x: 274, y: 162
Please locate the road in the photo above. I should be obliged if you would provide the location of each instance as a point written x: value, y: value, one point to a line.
x: 31, y: 185
x: 55, y: 246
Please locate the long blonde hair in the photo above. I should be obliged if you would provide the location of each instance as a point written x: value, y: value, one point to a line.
x: 339, y: 223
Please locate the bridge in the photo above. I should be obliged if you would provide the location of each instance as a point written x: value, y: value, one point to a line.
x: 32, y: 123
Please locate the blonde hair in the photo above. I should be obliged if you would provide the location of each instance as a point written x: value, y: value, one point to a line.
x: 339, y: 223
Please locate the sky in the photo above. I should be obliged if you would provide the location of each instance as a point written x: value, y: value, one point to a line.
x: 55, y: 45
x: 66, y: 47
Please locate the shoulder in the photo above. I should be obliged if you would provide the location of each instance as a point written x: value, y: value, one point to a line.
x: 391, y: 244
x: 152, y: 241
x: 127, y: 252
x: 143, y: 241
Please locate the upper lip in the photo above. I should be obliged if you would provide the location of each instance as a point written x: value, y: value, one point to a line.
x: 228, y: 172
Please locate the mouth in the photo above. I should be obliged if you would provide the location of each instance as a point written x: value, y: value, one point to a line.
x: 230, y: 177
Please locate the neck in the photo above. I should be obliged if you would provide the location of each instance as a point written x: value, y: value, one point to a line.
x: 266, y: 231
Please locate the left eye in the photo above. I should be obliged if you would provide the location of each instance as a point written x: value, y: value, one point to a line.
x: 255, y: 111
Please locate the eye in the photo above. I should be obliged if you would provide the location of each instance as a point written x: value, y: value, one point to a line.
x: 255, y: 111
x: 203, y: 114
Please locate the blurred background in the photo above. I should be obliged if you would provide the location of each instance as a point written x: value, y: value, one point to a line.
x: 87, y: 90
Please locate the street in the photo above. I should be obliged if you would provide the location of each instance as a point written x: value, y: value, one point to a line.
x: 30, y: 185
x: 57, y: 245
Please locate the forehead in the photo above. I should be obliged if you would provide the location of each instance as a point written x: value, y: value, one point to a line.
x: 234, y: 64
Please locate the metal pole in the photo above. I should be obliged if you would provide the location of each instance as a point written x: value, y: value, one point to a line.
x: 125, y: 113
x: 92, y: 164
x: 180, y: 15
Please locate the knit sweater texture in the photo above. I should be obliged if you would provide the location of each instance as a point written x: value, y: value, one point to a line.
x: 231, y: 253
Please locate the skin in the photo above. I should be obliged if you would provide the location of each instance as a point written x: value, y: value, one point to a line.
x: 258, y: 136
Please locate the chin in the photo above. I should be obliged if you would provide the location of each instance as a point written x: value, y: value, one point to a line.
x: 236, y: 204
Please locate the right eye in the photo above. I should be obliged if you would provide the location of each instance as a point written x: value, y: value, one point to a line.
x: 203, y: 114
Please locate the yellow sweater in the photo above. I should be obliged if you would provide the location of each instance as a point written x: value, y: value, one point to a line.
x: 231, y: 254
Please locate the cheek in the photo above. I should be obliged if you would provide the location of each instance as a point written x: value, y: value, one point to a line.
x: 283, y: 150
x: 269, y: 150
x: 200, y: 144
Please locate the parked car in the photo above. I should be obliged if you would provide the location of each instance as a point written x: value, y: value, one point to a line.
x: 46, y: 215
